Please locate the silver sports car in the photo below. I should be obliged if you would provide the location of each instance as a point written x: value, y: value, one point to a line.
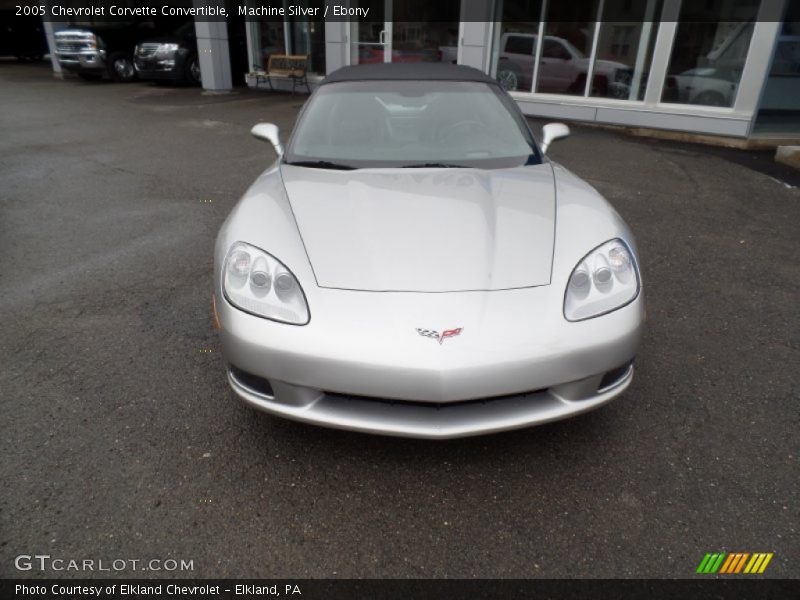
x: 413, y: 265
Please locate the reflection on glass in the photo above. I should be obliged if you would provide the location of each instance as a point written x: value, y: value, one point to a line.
x: 410, y: 123
x: 369, y: 37
x: 272, y: 40
x: 308, y: 37
x: 710, y: 50
x: 516, y: 26
x: 625, y: 49
x: 302, y: 36
x: 779, y: 111
x: 420, y: 30
x: 564, y: 64
x: 425, y: 31
x: 786, y: 61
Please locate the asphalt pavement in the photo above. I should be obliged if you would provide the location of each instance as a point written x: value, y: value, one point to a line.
x: 121, y: 439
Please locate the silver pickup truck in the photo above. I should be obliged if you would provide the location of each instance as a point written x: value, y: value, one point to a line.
x: 94, y: 52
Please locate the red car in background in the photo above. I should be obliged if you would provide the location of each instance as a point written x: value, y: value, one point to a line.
x: 375, y: 54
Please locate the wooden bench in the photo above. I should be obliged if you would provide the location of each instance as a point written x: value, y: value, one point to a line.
x: 285, y: 66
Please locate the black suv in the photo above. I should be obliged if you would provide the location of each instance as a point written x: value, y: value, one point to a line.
x: 171, y: 57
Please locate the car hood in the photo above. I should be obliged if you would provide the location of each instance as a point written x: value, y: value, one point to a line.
x: 425, y: 230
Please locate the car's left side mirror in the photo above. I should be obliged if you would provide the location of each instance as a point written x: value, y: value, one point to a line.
x: 552, y: 132
x: 270, y: 133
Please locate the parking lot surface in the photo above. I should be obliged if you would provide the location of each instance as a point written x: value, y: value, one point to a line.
x: 121, y: 439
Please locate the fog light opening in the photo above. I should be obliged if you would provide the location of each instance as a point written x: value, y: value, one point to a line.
x: 254, y: 383
x: 613, y: 377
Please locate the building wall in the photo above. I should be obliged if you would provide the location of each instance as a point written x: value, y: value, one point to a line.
x: 672, y: 47
x: 660, y: 90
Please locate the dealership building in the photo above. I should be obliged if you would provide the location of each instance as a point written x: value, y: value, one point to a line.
x: 716, y: 67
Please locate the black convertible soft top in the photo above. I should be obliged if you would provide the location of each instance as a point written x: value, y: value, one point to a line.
x: 407, y: 72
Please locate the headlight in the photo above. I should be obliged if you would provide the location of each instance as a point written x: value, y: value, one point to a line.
x: 606, y: 279
x: 166, y: 50
x: 260, y: 284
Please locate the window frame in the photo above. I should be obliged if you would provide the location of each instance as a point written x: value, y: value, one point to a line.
x: 659, y: 62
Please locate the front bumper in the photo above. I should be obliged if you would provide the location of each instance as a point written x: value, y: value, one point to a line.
x: 429, y: 421
x: 370, y: 371
x: 82, y: 62
x: 151, y: 68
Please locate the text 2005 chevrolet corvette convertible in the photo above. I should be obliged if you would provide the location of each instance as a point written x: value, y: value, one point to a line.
x: 413, y: 265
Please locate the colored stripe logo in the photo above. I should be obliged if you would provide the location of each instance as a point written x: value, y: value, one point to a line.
x: 734, y: 563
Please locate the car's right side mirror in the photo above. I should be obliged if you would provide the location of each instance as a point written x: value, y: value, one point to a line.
x: 552, y: 132
x: 270, y: 133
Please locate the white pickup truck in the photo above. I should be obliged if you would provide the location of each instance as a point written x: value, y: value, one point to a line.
x: 562, y: 70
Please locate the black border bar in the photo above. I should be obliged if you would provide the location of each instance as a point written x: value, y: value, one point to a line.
x: 578, y: 11
x: 401, y: 589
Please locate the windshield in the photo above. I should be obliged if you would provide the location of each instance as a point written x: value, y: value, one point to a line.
x: 363, y: 124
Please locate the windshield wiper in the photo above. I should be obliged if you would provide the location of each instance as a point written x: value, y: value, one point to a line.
x: 433, y: 165
x: 321, y: 164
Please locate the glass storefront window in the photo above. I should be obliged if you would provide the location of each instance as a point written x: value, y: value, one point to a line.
x: 786, y: 61
x: 779, y: 111
x: 625, y: 49
x: 294, y: 35
x: 564, y: 63
x: 369, y: 36
x: 406, y: 31
x: 709, y: 52
x: 516, y: 30
x: 272, y: 40
x: 308, y: 37
x: 425, y: 31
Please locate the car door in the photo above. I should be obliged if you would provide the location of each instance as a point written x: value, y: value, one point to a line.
x: 556, y: 74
